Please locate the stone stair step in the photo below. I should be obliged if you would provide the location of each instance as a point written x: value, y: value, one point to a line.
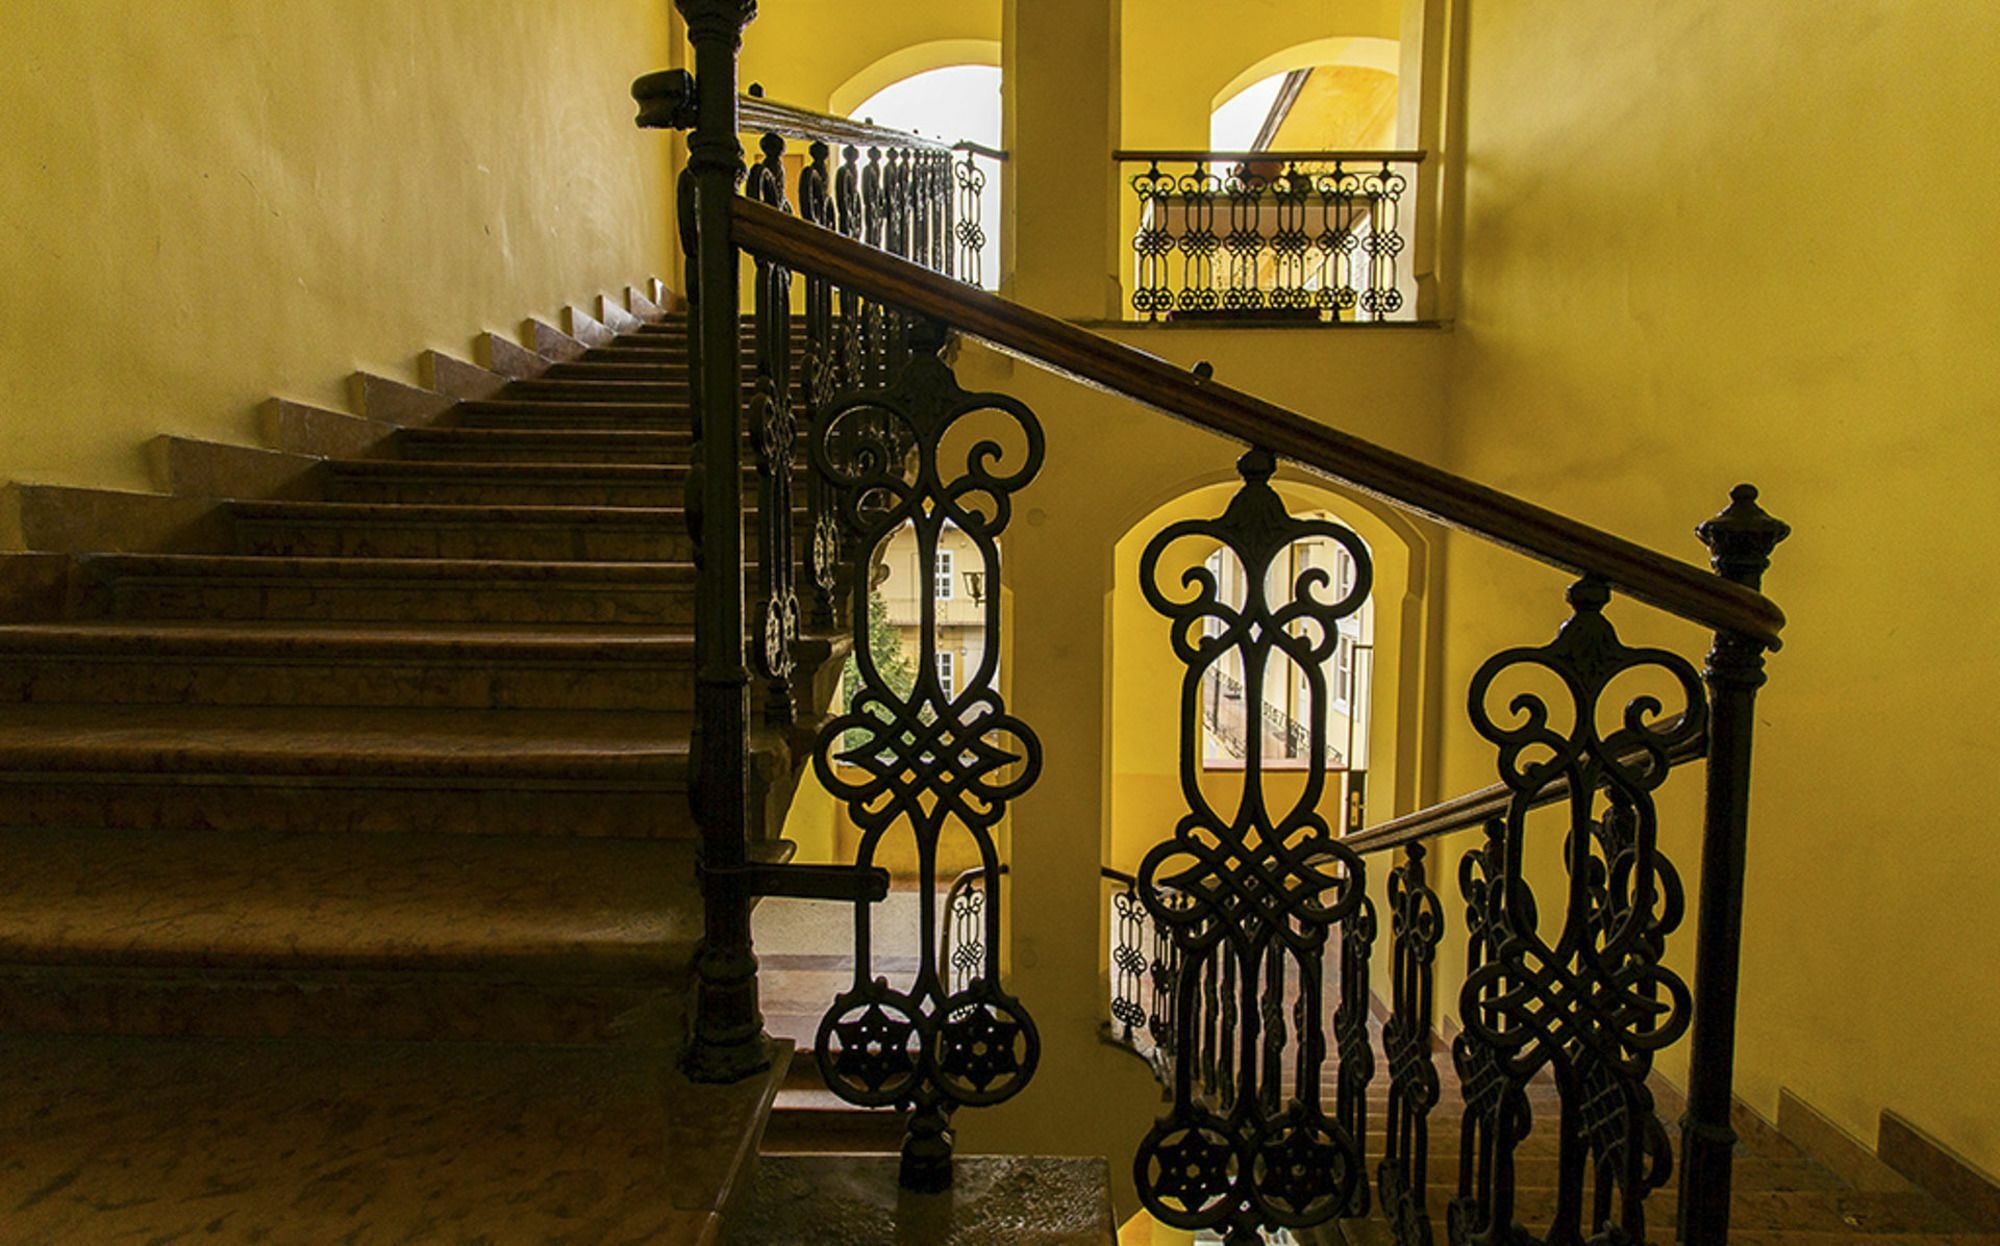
x: 506, y: 484
x: 240, y: 587
x: 355, y: 665
x: 514, y: 533
x: 1538, y: 1172
x: 390, y: 936
x: 545, y: 445
x: 161, y: 1140
x: 854, y: 1200
x: 664, y: 385
x: 457, y: 771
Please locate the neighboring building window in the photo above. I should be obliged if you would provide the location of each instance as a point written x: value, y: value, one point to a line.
x: 944, y: 576
x: 1343, y: 672
x: 947, y: 668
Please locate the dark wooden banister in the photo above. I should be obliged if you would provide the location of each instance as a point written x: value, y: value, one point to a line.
x: 1677, y: 587
x: 1476, y: 808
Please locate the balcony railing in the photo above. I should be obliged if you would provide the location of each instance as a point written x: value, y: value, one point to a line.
x: 1272, y: 236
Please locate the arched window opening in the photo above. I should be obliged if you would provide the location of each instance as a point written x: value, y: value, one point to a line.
x: 1282, y: 717
x: 958, y: 103
x: 1327, y: 107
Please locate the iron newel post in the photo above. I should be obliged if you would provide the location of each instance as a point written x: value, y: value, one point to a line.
x: 728, y: 1041
x: 1740, y: 541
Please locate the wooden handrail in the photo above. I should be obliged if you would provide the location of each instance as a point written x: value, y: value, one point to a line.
x: 1476, y: 808
x: 1254, y: 157
x: 1646, y: 575
x: 755, y: 114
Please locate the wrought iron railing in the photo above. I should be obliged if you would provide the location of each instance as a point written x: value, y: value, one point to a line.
x: 1262, y: 902
x: 1271, y: 235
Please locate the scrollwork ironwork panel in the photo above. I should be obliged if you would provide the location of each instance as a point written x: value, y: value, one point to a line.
x: 1590, y: 1006
x: 1250, y: 894
x: 926, y: 760
x: 1416, y: 926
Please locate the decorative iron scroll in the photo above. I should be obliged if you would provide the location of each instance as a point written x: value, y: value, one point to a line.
x: 1590, y: 1008
x: 926, y: 760
x: 1319, y: 239
x: 1416, y: 926
x: 1250, y: 895
x: 774, y: 428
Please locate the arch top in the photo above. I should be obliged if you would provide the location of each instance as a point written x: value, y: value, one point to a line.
x: 907, y: 62
x: 1360, y: 51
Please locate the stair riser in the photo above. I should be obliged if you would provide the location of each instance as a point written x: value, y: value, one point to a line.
x: 358, y: 600
x: 446, y: 491
x: 669, y: 419
x: 258, y: 804
x: 666, y: 541
x: 405, y: 1008
x: 486, y: 452
x: 469, y: 684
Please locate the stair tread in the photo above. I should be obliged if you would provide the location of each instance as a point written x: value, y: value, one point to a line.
x: 553, y: 472
x: 262, y: 639
x: 267, y: 565
x: 500, y: 905
x: 319, y: 1141
x: 465, y: 512
x: 368, y: 743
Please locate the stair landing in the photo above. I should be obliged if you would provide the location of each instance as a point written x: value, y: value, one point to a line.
x: 853, y: 1200
x: 366, y: 1144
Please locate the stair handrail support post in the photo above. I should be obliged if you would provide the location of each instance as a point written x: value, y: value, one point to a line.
x: 728, y: 1040
x: 1740, y: 540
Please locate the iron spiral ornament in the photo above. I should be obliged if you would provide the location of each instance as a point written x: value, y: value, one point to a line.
x: 1250, y: 895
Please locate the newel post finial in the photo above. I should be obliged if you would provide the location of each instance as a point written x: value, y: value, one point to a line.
x: 1740, y: 538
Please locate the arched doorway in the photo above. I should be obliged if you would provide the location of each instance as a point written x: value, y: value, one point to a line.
x: 956, y: 103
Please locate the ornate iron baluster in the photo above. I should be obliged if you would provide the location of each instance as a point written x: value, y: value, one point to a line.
x: 1165, y: 967
x: 1128, y: 964
x: 1289, y: 241
x: 925, y: 760
x: 774, y: 425
x: 1416, y: 925
x: 728, y: 1041
x: 1740, y: 541
x: 1384, y: 192
x: 1199, y: 241
x: 1151, y: 295
x: 823, y: 362
x: 1592, y: 1007
x: 970, y: 228
x: 1256, y: 882
x: 1245, y: 241
x: 1350, y: 1032
x: 1337, y: 241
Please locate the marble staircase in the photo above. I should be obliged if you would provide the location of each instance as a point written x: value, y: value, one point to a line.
x: 349, y: 876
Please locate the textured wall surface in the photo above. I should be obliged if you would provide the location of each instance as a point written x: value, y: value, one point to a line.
x: 202, y: 204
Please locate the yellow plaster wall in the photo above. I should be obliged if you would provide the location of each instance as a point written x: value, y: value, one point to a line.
x: 1713, y: 241
x: 202, y: 204
x: 824, y: 54
x: 1183, y: 57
